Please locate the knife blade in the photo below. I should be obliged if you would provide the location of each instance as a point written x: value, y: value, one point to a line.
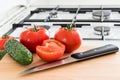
x: 99, y: 51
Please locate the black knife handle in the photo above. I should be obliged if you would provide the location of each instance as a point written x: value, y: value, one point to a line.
x: 107, y: 49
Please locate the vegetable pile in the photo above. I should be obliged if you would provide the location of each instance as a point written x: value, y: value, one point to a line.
x: 15, y: 49
x: 18, y: 52
x: 3, y: 40
x: 70, y: 37
x: 33, y: 37
x: 37, y: 40
x: 50, y: 50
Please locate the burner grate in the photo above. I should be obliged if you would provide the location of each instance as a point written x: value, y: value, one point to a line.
x: 79, y: 19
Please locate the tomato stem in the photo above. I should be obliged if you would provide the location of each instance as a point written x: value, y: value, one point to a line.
x: 69, y: 27
x: 5, y: 36
x: 35, y: 29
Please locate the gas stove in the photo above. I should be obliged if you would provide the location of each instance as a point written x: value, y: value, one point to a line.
x: 100, y: 23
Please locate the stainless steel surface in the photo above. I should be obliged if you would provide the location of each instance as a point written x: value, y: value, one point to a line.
x: 86, y: 31
x: 49, y: 65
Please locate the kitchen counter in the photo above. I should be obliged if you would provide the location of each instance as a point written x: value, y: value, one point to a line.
x: 100, y: 68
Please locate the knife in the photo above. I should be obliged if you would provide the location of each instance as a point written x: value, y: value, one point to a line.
x: 99, y: 51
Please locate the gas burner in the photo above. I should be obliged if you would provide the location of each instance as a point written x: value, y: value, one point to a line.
x: 97, y: 14
x: 98, y: 30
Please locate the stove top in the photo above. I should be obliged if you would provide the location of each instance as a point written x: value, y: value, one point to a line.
x: 91, y: 21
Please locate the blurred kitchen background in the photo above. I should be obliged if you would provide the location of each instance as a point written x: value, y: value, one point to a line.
x: 9, y: 7
x: 6, y: 5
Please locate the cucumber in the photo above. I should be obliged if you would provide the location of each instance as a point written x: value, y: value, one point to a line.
x: 2, y: 53
x: 18, y: 52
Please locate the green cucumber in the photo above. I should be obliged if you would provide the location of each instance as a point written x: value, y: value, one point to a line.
x: 18, y: 52
x: 2, y: 53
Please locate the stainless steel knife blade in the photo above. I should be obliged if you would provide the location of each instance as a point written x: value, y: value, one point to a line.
x: 107, y: 49
x: 49, y: 65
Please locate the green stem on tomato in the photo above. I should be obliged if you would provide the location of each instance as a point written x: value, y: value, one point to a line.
x: 5, y: 36
x: 34, y: 29
x: 69, y: 27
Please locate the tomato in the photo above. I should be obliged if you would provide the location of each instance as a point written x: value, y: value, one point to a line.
x: 69, y: 37
x: 50, y: 50
x: 33, y: 37
x: 3, y: 39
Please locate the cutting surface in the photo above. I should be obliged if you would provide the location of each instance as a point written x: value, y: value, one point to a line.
x: 100, y: 68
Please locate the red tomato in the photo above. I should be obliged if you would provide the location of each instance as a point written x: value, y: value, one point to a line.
x: 3, y: 39
x: 50, y: 50
x: 33, y: 37
x: 71, y: 38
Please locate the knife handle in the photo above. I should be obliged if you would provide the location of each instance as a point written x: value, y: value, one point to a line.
x: 107, y: 49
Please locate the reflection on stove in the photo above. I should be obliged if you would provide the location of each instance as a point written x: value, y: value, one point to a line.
x: 89, y: 32
x: 98, y: 30
x: 97, y: 14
